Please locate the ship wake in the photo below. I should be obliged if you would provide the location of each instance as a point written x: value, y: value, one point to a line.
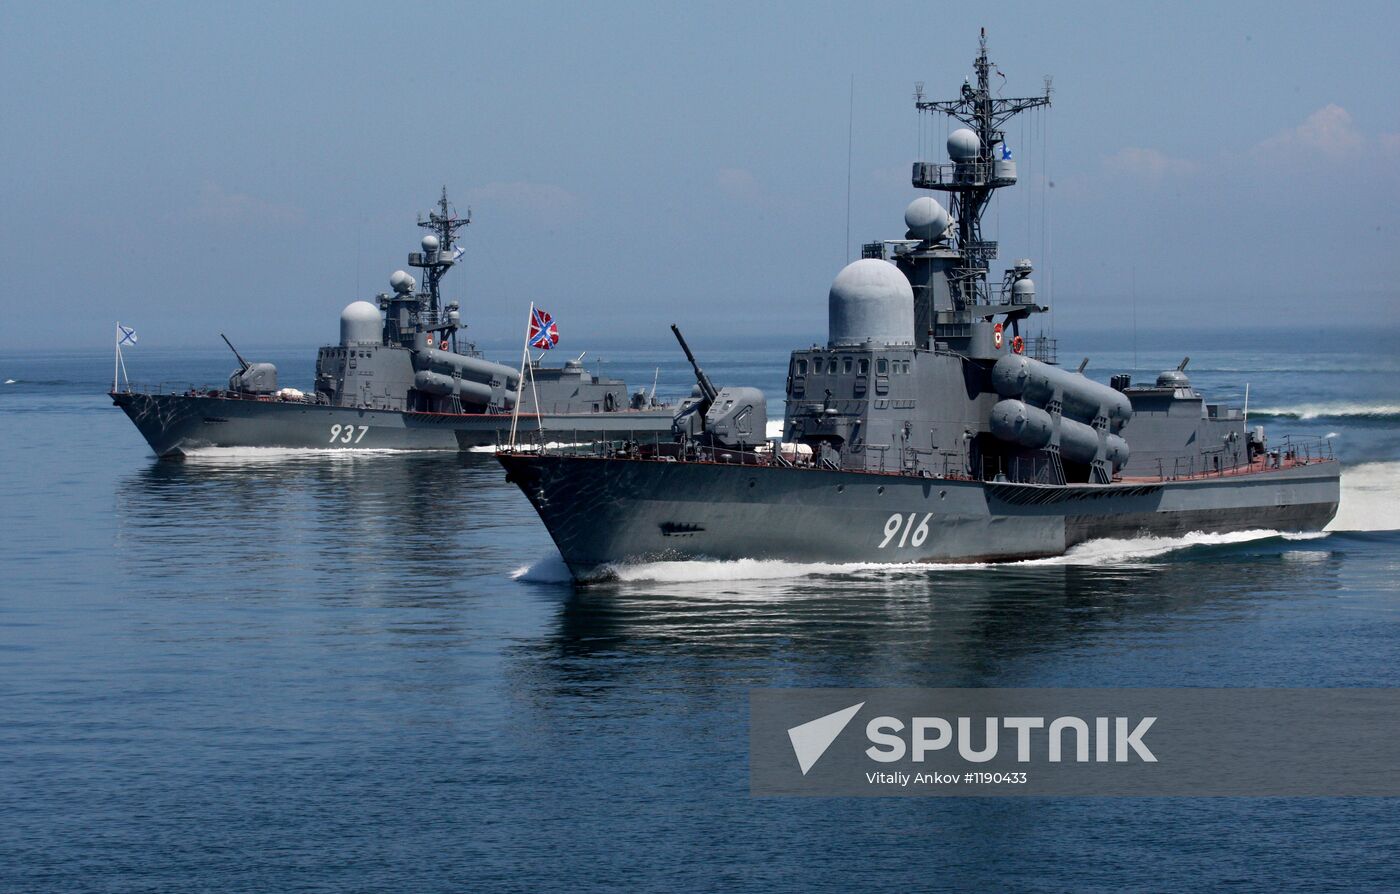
x: 1091, y: 553
x: 1339, y: 410
x: 279, y: 454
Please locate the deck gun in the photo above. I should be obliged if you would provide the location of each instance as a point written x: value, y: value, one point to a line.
x: 707, y: 388
x: 243, y: 365
x: 735, y: 416
x: 251, y: 378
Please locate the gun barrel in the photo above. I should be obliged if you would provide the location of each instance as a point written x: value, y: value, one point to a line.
x: 707, y: 388
x: 241, y: 362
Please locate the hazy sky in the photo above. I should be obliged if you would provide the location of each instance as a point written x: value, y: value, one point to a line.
x: 251, y: 168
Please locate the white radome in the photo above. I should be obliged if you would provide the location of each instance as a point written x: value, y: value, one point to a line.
x: 870, y: 300
x: 963, y: 145
x: 430, y: 243
x: 360, y: 324
x: 400, y: 281
x: 926, y: 219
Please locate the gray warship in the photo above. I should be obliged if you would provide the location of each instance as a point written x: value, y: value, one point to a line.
x: 402, y: 377
x: 932, y: 426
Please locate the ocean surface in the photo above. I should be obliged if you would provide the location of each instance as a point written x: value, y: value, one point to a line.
x: 266, y: 670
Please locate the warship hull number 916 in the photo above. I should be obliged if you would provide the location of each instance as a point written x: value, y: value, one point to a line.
x: 933, y: 425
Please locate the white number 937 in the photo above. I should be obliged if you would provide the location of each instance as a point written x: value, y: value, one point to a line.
x: 348, y: 434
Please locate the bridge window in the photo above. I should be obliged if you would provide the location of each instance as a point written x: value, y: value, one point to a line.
x: 882, y: 366
x: 864, y: 366
x: 802, y: 367
x: 846, y: 364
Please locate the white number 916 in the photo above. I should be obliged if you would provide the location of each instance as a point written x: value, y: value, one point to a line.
x: 897, y: 523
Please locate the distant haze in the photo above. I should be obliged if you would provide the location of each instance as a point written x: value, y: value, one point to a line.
x: 252, y: 168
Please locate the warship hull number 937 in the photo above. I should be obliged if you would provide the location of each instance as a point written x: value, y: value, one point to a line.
x: 402, y: 377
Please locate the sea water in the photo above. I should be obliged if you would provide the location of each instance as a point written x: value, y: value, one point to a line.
x: 273, y: 670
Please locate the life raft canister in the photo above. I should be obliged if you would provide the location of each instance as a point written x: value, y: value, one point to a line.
x: 996, y: 336
x: 1018, y: 344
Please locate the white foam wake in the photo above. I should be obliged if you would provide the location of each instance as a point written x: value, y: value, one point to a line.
x: 1091, y: 553
x: 549, y: 570
x: 1330, y: 410
x: 275, y: 454
x: 1370, y: 498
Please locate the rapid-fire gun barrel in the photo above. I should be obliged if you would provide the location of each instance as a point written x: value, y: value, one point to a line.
x: 707, y: 388
x: 241, y: 362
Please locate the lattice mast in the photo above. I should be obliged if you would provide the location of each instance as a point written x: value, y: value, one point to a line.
x: 443, y: 224
x: 970, y: 182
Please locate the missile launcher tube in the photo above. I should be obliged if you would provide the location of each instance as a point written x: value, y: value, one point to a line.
x: 1015, y: 376
x: 466, y: 390
x: 1032, y: 427
x: 473, y: 382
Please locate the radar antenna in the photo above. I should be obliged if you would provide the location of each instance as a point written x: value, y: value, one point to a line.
x: 971, y: 182
x: 442, y: 224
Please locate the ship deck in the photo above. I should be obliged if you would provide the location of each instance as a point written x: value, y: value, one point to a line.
x: 1293, y: 454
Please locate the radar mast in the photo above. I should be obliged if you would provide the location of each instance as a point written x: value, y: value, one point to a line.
x: 970, y: 180
x: 435, y: 260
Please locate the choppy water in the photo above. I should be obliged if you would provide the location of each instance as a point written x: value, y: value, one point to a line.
x: 259, y: 670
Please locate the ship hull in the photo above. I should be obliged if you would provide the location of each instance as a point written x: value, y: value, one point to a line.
x: 176, y: 424
x: 603, y: 512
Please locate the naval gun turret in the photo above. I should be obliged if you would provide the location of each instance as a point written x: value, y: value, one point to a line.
x: 734, y: 416
x: 251, y: 378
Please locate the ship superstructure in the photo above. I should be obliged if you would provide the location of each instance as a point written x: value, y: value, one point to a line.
x: 403, y: 376
x: 932, y: 425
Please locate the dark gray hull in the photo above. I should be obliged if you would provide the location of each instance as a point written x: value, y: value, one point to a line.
x: 608, y: 511
x: 175, y: 424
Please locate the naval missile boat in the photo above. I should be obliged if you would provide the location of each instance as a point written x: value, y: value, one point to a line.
x: 402, y: 377
x: 932, y: 426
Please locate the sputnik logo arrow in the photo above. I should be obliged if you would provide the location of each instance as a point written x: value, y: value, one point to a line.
x: 810, y: 740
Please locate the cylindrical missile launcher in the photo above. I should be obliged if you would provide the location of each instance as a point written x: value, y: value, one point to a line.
x: 1032, y: 390
x: 475, y: 382
x: 1039, y: 383
x: 1031, y: 427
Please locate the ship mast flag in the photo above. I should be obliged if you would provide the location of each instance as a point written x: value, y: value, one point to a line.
x: 540, y: 332
x: 125, y: 335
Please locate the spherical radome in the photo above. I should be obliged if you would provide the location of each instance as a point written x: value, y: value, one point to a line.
x: 870, y: 300
x: 926, y: 219
x: 430, y: 242
x: 400, y: 281
x: 963, y: 145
